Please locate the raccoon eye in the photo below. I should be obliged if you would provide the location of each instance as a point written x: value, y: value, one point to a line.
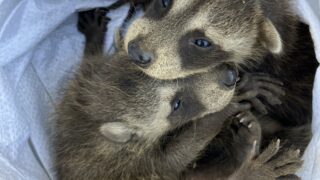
x: 166, y: 3
x: 202, y: 43
x: 176, y: 104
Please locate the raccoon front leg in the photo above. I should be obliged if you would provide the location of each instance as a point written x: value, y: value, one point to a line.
x: 93, y: 25
x: 246, y: 132
x: 270, y: 164
x: 229, y: 149
x: 186, y: 147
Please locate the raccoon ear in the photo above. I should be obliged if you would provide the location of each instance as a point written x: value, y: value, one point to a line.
x: 271, y: 38
x: 117, y: 132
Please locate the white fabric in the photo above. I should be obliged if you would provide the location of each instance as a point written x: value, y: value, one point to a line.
x: 39, y: 46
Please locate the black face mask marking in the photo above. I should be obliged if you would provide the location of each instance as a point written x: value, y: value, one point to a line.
x: 195, y: 57
x: 185, y: 106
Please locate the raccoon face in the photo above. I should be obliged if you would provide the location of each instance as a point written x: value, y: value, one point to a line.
x: 148, y: 108
x: 175, y: 39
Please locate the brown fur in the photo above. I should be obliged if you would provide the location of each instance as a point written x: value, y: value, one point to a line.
x: 237, y: 29
x: 85, y: 150
x: 114, y: 91
x: 114, y: 119
x: 258, y: 35
x: 107, y: 92
x: 268, y: 165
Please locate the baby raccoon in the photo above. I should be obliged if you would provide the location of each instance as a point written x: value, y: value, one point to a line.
x: 115, y: 122
x: 113, y: 118
x: 176, y: 38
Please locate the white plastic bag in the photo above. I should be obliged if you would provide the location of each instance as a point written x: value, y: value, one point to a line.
x: 39, y: 46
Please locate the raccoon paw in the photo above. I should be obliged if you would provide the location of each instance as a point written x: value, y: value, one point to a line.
x: 93, y: 24
x: 252, y: 86
x: 270, y: 164
x: 247, y: 128
x: 246, y: 133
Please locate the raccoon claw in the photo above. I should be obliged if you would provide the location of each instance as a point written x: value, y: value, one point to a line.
x: 269, y: 152
x: 252, y: 86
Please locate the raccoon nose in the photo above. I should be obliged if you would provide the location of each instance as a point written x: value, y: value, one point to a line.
x: 231, y: 76
x: 139, y: 57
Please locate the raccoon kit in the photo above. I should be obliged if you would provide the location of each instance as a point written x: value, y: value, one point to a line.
x: 116, y: 122
x: 175, y: 39
x: 113, y: 119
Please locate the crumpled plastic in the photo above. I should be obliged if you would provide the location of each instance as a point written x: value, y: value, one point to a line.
x: 39, y: 50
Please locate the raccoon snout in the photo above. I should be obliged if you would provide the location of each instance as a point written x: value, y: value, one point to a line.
x: 139, y: 56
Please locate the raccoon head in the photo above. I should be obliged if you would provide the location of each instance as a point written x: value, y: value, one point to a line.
x: 177, y: 38
x: 139, y: 107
